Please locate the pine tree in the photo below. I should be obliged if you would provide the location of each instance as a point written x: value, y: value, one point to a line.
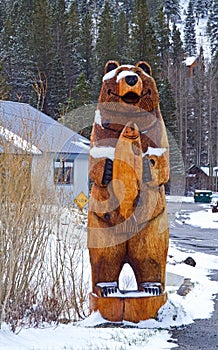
x: 106, y: 43
x: 143, y: 38
x: 177, y: 52
x: 172, y: 10
x: 73, y: 30
x: 212, y: 93
x: 178, y: 83
x: 57, y: 95
x: 16, y: 51
x: 214, y: 105
x: 200, y: 8
x: 200, y: 112
x: 212, y: 26
x: 127, y: 8
x: 81, y: 93
x: 162, y: 32
x: 7, y: 44
x: 43, y: 45
x: 122, y: 38
x: 60, y: 29
x: 168, y: 107
x: 153, y: 7
x: 83, y: 6
x: 2, y: 14
x: 189, y: 32
x: 43, y: 37
x: 86, y: 46
x: 4, y: 87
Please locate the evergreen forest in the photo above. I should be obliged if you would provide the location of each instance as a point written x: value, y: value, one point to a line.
x: 53, y: 52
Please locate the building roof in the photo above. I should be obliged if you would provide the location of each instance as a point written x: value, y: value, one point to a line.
x: 204, y: 169
x: 190, y: 60
x: 31, y: 130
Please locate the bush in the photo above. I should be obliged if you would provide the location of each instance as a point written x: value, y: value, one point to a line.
x: 42, y: 259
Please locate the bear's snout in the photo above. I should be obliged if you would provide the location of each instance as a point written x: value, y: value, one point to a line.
x: 131, y: 79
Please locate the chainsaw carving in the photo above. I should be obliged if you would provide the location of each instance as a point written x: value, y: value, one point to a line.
x: 129, y: 165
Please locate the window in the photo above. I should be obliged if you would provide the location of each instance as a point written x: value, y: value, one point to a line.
x: 63, y: 172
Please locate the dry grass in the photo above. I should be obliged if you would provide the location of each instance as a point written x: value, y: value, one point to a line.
x: 42, y: 261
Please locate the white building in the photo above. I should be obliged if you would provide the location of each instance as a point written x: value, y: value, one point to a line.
x: 59, y: 155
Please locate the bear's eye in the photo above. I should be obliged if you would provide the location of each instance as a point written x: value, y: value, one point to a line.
x: 152, y: 162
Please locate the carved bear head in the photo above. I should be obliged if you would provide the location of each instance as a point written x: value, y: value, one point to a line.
x: 129, y: 85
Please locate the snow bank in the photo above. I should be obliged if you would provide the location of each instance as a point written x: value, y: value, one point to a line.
x: 146, y: 335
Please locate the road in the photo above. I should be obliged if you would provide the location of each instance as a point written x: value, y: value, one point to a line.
x: 190, y: 237
x: 202, y: 334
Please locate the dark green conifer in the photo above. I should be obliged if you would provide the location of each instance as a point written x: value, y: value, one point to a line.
x: 189, y: 32
x: 142, y: 37
x: 123, y: 52
x: 81, y: 92
x: 212, y: 27
x: 86, y: 46
x: 176, y: 49
x: 162, y: 32
x: 168, y: 107
x: 4, y: 87
x: 172, y: 10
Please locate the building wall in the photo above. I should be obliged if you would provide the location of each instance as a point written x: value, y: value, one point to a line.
x: 67, y: 193
x: 42, y: 179
x: 81, y: 180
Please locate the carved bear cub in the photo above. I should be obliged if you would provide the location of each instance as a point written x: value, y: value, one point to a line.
x: 129, y: 165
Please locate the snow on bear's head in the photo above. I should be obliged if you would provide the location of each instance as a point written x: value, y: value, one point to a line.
x: 129, y: 85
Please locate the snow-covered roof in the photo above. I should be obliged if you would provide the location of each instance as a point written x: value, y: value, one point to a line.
x: 205, y: 169
x: 190, y: 60
x: 29, y: 129
x: 17, y: 141
x: 202, y: 191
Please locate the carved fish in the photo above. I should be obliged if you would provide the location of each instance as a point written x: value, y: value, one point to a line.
x: 127, y: 168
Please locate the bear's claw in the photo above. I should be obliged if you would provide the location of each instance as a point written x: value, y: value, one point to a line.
x: 153, y: 288
x: 107, y: 288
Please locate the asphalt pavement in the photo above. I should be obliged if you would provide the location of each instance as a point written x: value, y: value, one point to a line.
x: 202, y: 334
x: 190, y: 237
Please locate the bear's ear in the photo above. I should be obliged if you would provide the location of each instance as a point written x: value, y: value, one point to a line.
x: 110, y: 65
x: 145, y: 66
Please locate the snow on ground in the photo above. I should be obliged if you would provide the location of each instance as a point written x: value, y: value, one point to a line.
x: 202, y: 218
x: 150, y: 334
x: 179, y: 199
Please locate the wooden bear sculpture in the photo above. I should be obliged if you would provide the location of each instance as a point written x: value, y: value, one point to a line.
x: 129, y: 165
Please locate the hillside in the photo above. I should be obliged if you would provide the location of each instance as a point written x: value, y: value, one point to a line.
x: 202, y: 37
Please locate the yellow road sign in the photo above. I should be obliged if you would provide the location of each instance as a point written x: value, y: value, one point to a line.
x: 81, y: 200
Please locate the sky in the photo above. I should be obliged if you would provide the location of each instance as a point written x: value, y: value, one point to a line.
x: 151, y: 334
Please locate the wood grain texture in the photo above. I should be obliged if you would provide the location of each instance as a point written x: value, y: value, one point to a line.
x: 127, y: 168
x: 135, y: 309
x: 110, y: 308
x: 140, y: 309
x: 127, y: 217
